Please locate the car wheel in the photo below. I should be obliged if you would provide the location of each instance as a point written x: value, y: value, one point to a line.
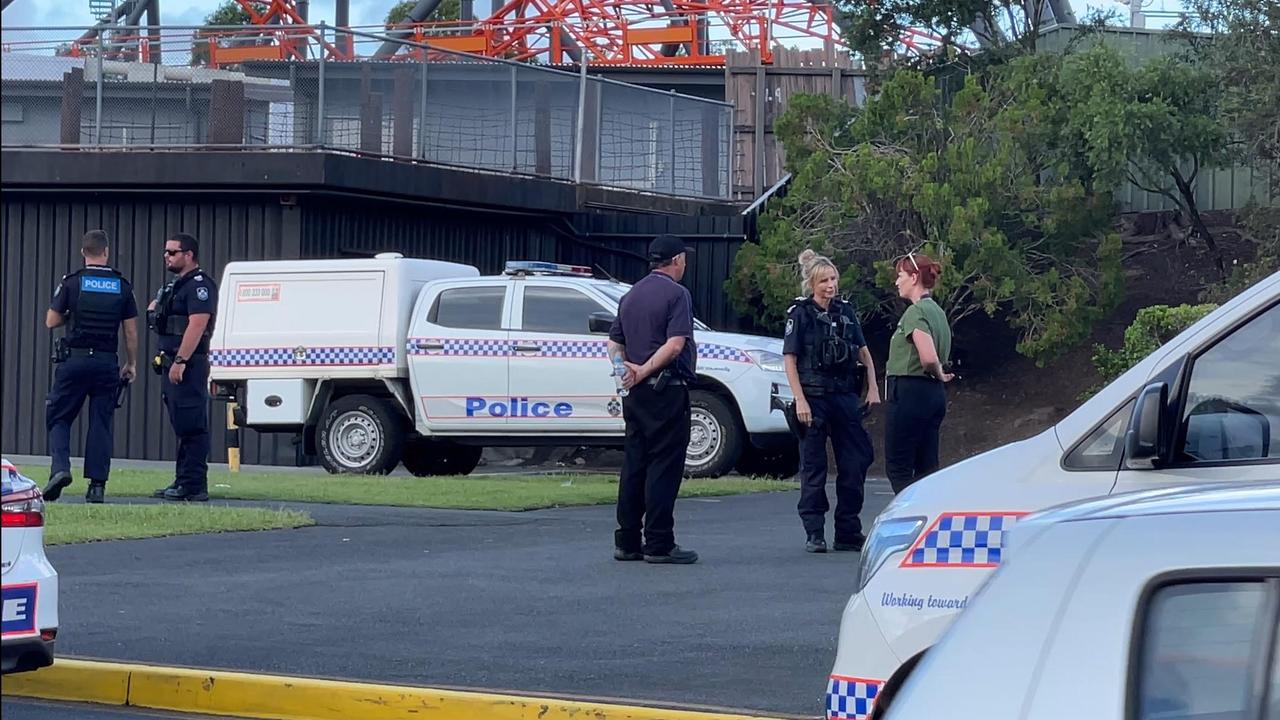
x: 360, y: 434
x: 715, y: 438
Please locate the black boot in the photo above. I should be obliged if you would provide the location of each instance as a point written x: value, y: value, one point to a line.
x: 182, y: 494
x: 96, y: 493
x: 816, y: 543
x: 57, y: 484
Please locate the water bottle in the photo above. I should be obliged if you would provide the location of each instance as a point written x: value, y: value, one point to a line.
x: 618, y: 371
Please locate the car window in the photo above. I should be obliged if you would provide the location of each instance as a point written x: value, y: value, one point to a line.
x: 1201, y: 646
x: 615, y: 291
x: 475, y: 308
x: 1232, y: 410
x: 557, y: 310
x: 1104, y: 447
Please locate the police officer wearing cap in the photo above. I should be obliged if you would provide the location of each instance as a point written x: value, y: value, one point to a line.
x: 827, y: 361
x: 182, y: 316
x: 653, y: 335
x: 96, y: 304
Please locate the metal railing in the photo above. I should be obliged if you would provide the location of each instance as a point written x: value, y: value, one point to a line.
x: 157, y: 88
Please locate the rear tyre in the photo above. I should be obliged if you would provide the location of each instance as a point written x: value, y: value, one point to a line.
x: 715, y: 436
x: 362, y: 435
x: 428, y: 458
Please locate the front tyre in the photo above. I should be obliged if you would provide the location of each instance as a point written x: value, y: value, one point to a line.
x: 361, y: 434
x: 715, y: 437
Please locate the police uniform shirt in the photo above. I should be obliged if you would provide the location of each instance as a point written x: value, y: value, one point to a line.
x: 101, y: 280
x: 656, y: 309
x: 802, y: 328
x: 194, y: 294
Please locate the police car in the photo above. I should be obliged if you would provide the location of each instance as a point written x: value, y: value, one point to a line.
x: 388, y: 359
x: 1203, y: 407
x: 30, y: 584
x: 1166, y: 602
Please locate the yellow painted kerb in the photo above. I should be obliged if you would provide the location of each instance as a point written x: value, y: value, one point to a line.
x: 220, y: 692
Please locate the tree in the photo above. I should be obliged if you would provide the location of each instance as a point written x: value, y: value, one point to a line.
x: 229, y: 12
x: 973, y: 180
x: 447, y: 10
x: 1156, y: 125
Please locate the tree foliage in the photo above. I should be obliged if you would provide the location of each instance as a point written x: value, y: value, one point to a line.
x: 976, y: 180
x: 447, y: 10
x: 229, y: 12
x: 1156, y: 124
x: 1154, y: 326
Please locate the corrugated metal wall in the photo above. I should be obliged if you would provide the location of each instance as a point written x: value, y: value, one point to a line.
x: 41, y: 234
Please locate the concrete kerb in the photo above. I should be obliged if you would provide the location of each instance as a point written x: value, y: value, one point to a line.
x: 279, y: 697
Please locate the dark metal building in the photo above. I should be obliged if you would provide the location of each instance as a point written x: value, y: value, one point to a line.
x: 248, y: 206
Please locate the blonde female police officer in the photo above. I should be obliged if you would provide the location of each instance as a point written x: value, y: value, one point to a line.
x: 822, y: 347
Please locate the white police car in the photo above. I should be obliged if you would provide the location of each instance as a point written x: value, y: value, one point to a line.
x: 30, y: 584
x: 1204, y: 407
x: 1165, y: 602
x: 374, y: 361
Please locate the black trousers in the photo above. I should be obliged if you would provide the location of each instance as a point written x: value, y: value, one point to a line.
x: 838, y: 416
x: 188, y: 406
x: 657, y: 439
x: 95, y: 377
x: 916, y: 406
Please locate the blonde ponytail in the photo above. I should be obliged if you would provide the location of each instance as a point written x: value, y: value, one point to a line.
x: 810, y: 262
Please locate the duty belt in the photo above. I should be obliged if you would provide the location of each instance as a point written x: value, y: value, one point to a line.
x: 90, y: 352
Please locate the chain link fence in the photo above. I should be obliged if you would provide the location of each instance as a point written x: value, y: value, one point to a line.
x: 279, y: 88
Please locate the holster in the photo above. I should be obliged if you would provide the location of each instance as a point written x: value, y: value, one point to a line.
x: 61, y: 351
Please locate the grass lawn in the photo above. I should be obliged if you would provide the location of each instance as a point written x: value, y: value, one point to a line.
x: 516, y: 492
x: 84, y: 523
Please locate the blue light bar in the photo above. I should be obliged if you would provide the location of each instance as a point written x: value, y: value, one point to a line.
x: 516, y: 267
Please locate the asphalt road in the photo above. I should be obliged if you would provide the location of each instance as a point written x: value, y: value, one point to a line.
x: 15, y: 709
x: 502, y: 601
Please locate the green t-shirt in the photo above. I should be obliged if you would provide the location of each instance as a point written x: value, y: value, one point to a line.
x: 926, y: 315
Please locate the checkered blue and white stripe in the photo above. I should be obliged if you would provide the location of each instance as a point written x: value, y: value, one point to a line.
x: 574, y: 348
x: 465, y: 347
x: 963, y: 539
x: 709, y: 351
x: 292, y: 357
x: 850, y: 698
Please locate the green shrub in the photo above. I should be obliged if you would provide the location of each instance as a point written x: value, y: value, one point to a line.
x: 1153, y: 327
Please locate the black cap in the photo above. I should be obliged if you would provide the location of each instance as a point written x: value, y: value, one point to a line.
x: 665, y: 247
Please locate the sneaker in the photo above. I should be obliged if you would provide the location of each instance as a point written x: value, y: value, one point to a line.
x: 815, y: 544
x: 159, y: 492
x: 181, y: 494
x: 626, y: 555
x: 96, y: 493
x: 854, y: 544
x: 677, y: 556
x: 57, y: 484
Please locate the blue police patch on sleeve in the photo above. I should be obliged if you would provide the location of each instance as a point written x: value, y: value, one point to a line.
x: 202, y: 293
x: 109, y: 285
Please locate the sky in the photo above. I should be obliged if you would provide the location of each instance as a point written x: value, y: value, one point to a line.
x: 363, y: 12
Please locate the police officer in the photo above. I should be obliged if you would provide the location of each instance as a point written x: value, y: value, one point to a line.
x: 98, y: 303
x: 182, y: 315
x: 822, y: 347
x: 653, y: 335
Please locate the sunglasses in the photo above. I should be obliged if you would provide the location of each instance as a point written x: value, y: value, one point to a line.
x: 169, y: 252
x: 909, y: 256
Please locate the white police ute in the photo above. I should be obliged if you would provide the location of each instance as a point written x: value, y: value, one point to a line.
x: 30, y: 584
x: 381, y: 360
x: 1155, y: 604
x: 1204, y: 407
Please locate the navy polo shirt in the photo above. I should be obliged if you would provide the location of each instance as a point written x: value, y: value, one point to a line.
x: 654, y: 310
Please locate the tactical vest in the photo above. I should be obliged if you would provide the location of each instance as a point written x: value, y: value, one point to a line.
x: 100, y: 302
x: 830, y: 360
x: 166, y: 323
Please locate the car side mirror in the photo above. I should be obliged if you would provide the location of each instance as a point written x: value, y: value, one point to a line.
x: 1142, y: 441
x: 600, y: 322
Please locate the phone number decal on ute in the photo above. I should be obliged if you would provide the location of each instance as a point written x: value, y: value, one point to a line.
x: 19, y: 608
x: 962, y: 539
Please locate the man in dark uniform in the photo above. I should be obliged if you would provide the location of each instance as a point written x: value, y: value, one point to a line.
x: 182, y: 315
x: 98, y: 302
x: 653, y: 334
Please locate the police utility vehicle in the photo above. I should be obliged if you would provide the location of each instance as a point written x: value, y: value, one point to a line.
x: 388, y: 359
x: 30, y: 587
x: 1204, y: 407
